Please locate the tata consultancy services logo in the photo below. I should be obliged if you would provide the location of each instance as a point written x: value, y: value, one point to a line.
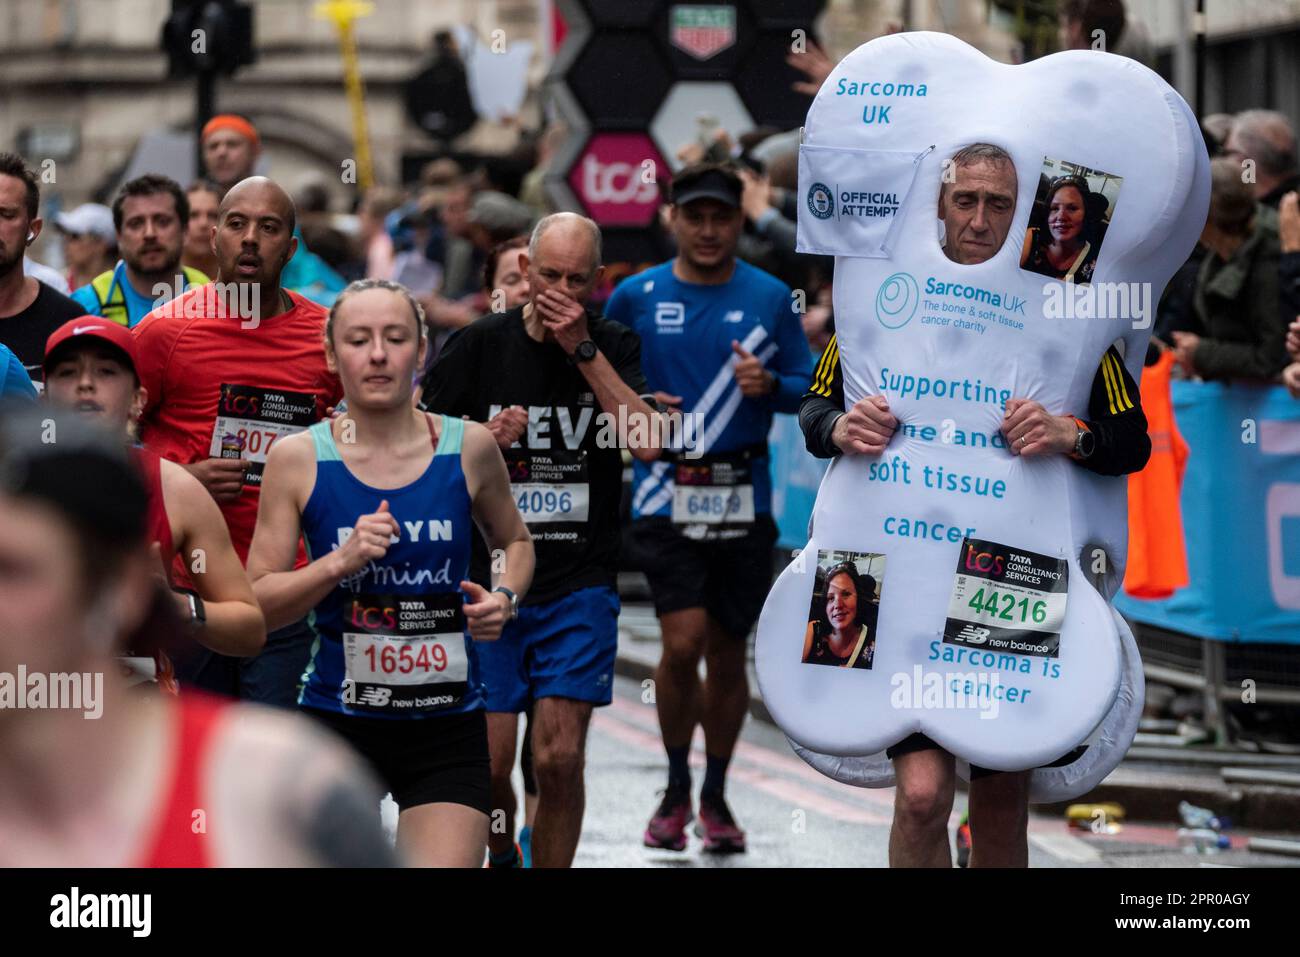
x: 896, y: 300
x: 703, y: 32
x: 615, y: 179
x: 821, y: 201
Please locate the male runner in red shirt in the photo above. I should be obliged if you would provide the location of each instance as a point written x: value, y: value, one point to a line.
x: 229, y: 368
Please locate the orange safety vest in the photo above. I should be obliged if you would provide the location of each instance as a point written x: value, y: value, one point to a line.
x: 1157, y: 554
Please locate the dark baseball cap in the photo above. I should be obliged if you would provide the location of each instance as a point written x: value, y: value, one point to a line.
x: 706, y: 182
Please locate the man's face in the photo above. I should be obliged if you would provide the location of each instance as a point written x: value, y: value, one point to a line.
x: 203, y: 217
x: 455, y: 211
x: 229, y: 157
x: 92, y: 379
x: 977, y: 210
x: 254, y: 241
x: 707, y: 232
x: 565, y: 263
x: 14, y: 224
x: 151, y: 235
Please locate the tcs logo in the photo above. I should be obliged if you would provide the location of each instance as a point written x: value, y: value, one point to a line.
x: 983, y: 561
x: 240, y: 405
x: 371, y: 617
x: 615, y: 182
x: 616, y: 178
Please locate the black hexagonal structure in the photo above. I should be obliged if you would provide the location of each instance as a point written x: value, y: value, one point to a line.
x: 622, y: 14
x: 619, y: 79
x: 764, y: 82
x: 634, y: 246
x: 719, y: 66
x: 623, y: 65
x: 777, y: 14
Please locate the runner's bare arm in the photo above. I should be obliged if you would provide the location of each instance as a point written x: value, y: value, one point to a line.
x: 234, y: 620
x: 285, y: 594
x: 289, y: 795
x: 495, y: 512
x: 639, y: 427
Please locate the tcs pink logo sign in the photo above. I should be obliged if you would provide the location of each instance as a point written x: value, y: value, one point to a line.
x: 617, y: 177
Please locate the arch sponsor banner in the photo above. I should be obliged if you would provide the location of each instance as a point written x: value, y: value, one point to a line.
x: 947, y: 305
x: 1241, y: 516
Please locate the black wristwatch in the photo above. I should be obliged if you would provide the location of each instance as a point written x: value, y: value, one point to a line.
x: 585, y: 351
x: 198, y: 614
x: 1085, y: 443
x: 514, y: 600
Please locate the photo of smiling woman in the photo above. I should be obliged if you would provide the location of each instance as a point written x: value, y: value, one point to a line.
x: 842, y: 626
x: 1071, y: 214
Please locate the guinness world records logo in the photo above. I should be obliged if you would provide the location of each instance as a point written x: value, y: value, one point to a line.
x: 821, y: 201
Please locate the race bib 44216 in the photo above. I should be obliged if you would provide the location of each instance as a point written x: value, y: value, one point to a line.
x: 251, y: 419
x: 1007, y: 599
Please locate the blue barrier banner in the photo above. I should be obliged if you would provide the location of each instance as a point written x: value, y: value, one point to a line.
x: 1241, y: 517
x: 795, y: 477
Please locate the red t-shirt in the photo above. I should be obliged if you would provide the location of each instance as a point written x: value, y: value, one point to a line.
x: 222, y: 387
x: 174, y: 841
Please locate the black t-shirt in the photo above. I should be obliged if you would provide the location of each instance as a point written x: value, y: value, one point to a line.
x: 25, y: 332
x: 566, y: 486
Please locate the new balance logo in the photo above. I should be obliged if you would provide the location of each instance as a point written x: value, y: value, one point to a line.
x: 973, y: 635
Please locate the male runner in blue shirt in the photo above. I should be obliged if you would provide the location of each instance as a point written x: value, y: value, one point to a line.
x: 721, y: 342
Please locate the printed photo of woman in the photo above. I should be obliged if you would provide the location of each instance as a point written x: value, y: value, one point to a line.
x: 1067, y: 248
x: 842, y: 632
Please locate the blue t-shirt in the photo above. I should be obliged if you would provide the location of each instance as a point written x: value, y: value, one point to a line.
x: 687, y: 331
x: 137, y: 306
x: 14, y: 380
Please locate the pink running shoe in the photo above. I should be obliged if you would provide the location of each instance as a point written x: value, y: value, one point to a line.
x: 667, y: 829
x: 718, y: 828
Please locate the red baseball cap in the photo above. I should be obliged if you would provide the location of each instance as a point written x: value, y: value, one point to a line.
x: 91, y: 327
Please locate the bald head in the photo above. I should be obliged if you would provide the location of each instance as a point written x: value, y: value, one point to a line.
x: 254, y: 240
x: 261, y: 192
x: 1267, y: 138
x: 567, y: 229
x: 564, y: 255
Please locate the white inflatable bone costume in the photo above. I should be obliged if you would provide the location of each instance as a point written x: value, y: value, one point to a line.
x: 989, y: 635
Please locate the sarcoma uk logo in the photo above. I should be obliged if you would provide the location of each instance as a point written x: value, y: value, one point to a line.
x: 821, y: 201
x: 896, y: 300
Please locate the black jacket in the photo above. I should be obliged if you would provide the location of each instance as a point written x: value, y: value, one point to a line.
x: 1115, y: 415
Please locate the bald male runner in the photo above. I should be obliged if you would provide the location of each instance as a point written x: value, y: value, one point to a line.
x: 229, y: 369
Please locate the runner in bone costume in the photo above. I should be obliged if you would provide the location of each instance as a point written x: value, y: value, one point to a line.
x: 934, y: 338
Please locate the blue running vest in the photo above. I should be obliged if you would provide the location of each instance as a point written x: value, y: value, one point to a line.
x: 390, y: 640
